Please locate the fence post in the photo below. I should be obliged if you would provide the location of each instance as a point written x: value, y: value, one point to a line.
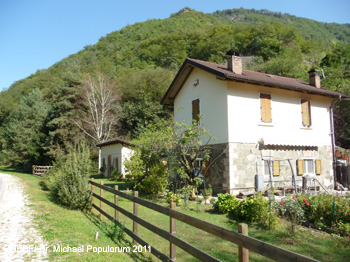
x: 101, y: 203
x: 116, y: 215
x: 92, y: 196
x: 243, y: 253
x: 136, y: 212
x: 173, y: 232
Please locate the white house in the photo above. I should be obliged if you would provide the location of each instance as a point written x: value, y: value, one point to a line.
x: 263, y: 124
x: 113, y: 154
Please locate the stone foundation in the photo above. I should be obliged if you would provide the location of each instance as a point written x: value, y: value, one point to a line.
x: 233, y: 166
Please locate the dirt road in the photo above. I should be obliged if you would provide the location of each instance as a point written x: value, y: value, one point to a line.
x: 19, y: 239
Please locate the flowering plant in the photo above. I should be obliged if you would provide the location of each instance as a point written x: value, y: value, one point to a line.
x: 292, y: 210
x: 174, y: 198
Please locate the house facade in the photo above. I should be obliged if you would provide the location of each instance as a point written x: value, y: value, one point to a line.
x: 276, y: 127
x: 112, y: 155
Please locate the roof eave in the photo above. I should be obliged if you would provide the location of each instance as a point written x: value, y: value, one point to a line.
x: 113, y: 142
x: 286, y: 87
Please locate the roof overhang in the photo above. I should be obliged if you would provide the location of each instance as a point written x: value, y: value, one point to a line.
x: 113, y: 142
x: 223, y: 74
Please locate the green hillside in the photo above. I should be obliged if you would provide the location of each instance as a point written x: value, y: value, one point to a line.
x: 140, y: 61
x: 324, y: 32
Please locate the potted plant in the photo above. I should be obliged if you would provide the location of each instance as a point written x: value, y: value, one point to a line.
x: 206, y: 192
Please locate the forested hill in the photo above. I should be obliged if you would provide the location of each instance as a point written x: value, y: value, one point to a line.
x: 324, y: 32
x: 140, y: 61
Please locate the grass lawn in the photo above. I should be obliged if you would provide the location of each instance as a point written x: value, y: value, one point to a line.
x: 61, y: 226
x: 311, y: 243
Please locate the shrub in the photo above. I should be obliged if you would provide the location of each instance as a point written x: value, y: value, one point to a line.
x: 174, y: 198
x: 155, y: 181
x: 226, y: 203
x: 292, y: 209
x: 147, y: 178
x: 68, y: 182
x: 255, y: 209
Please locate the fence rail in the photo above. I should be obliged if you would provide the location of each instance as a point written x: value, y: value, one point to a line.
x: 41, y: 170
x: 244, y: 242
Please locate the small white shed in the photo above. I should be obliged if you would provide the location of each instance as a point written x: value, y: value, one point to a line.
x: 112, y: 155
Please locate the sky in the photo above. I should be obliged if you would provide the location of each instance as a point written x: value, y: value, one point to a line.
x: 35, y: 34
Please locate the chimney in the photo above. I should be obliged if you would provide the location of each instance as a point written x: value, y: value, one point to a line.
x: 234, y: 63
x: 314, y: 78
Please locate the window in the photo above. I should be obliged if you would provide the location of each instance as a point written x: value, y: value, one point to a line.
x: 306, y: 112
x: 267, y: 167
x: 265, y: 108
x: 198, y: 167
x: 271, y: 166
x: 195, y: 110
x: 309, y: 166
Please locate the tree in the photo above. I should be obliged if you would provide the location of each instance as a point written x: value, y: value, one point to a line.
x: 179, y: 145
x: 24, y: 135
x: 102, y: 106
x: 66, y: 104
x: 190, y: 145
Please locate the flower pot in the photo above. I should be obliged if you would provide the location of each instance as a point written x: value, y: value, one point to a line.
x: 207, y: 198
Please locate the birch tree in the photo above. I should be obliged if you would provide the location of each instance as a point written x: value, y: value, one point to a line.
x: 102, y: 107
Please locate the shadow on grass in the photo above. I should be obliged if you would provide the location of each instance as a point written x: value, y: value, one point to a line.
x: 117, y: 235
x: 15, y: 169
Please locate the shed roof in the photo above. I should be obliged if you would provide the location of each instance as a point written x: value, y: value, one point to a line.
x: 115, y: 141
x: 247, y: 76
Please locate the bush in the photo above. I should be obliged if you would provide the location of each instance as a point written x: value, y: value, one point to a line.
x: 293, y: 210
x: 150, y: 179
x: 255, y: 209
x: 226, y: 203
x: 68, y: 182
x: 175, y: 198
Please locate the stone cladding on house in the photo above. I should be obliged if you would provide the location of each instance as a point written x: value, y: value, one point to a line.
x: 233, y: 166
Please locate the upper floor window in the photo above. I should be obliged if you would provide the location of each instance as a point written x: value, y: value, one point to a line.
x: 306, y: 112
x: 195, y: 110
x: 265, y: 108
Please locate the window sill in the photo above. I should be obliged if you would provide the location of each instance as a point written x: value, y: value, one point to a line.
x: 305, y: 128
x: 265, y: 124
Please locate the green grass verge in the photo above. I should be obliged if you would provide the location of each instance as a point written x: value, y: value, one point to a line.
x: 61, y: 226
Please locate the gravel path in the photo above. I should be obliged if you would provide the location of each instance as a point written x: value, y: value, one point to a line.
x: 19, y: 239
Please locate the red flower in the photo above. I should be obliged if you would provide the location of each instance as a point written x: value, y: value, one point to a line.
x: 307, y: 204
x: 305, y: 200
x: 281, y: 202
x: 293, y: 197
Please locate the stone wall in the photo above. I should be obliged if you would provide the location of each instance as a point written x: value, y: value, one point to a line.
x: 219, y: 176
x: 234, y: 165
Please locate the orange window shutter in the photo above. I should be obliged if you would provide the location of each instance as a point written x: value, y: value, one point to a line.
x: 276, y: 167
x: 300, y: 167
x: 318, y: 166
x: 265, y: 105
x: 195, y: 110
x: 305, y: 112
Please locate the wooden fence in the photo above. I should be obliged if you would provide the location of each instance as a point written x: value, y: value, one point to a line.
x: 244, y: 242
x: 41, y: 170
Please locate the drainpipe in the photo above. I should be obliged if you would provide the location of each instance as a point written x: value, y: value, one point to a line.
x: 333, y: 138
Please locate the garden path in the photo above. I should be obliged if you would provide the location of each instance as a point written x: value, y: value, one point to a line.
x: 17, y: 229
